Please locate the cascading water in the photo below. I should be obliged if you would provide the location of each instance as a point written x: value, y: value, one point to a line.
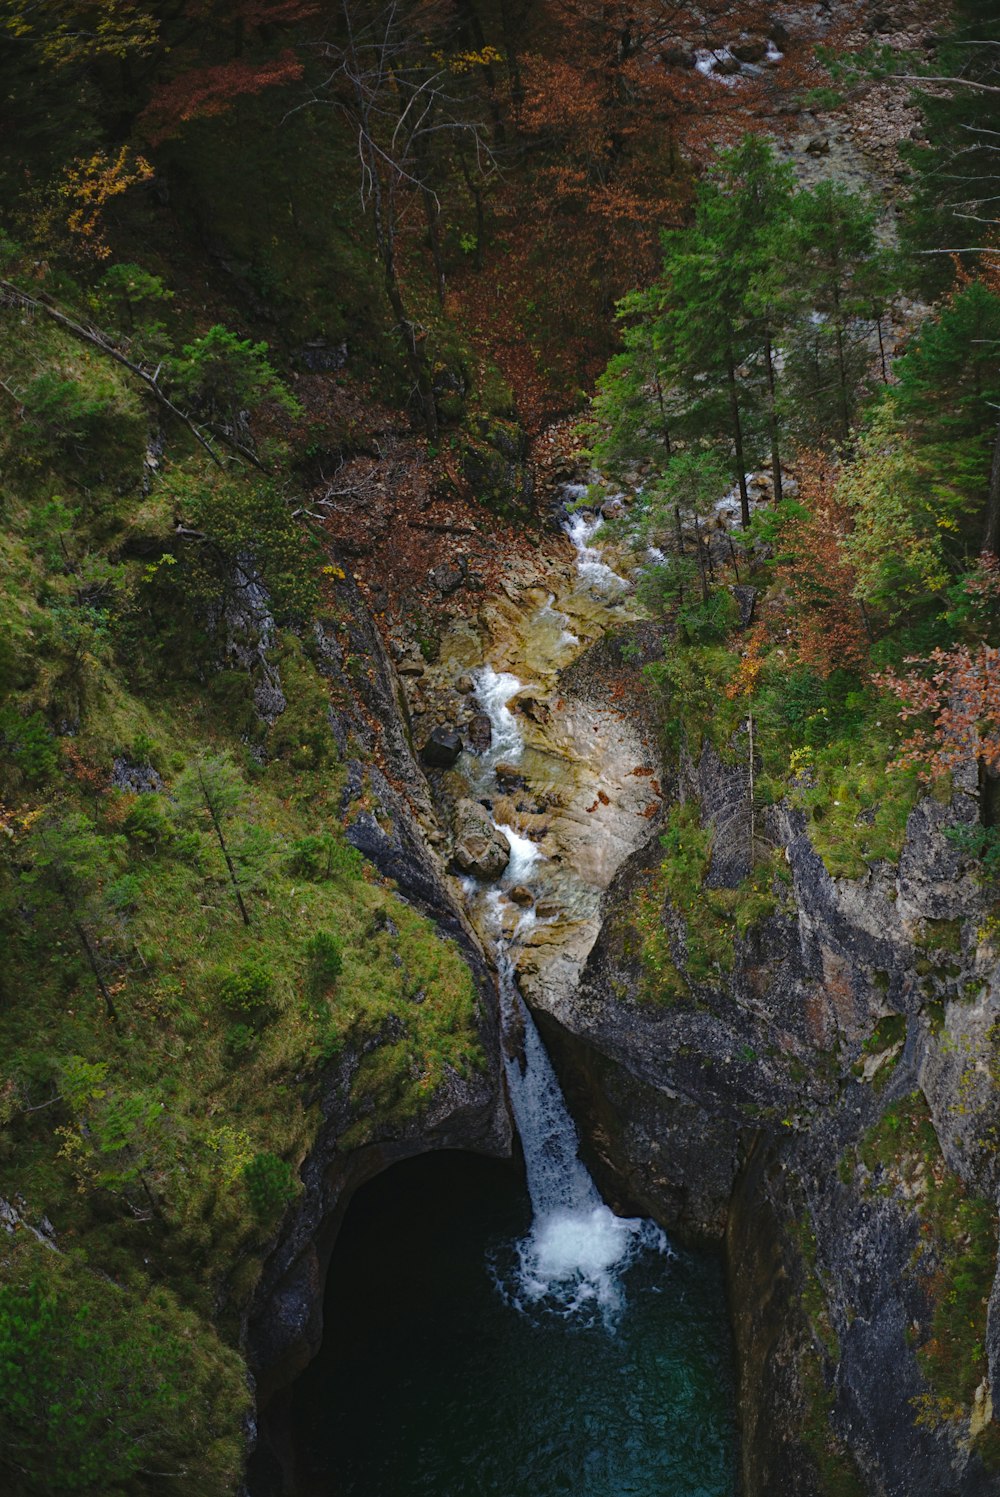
x: 581, y: 529
x: 428, y: 1383
x: 573, y: 1258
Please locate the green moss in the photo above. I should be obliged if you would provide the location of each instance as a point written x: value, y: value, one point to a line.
x: 158, y: 1111
x: 940, y: 935
x: 956, y: 1259
x: 835, y: 1467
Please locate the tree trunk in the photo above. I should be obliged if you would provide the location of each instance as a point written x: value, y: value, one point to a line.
x: 772, y: 418
x: 991, y: 532
x: 845, y: 415
x: 510, y: 24
x: 663, y: 416
x: 432, y: 214
x: 385, y: 240
x: 701, y: 561
x: 84, y: 940
x: 734, y: 413
x: 225, y: 853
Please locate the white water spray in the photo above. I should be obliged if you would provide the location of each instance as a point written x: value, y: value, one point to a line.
x: 572, y: 1260
x: 594, y: 572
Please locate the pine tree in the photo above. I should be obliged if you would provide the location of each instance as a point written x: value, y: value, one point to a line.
x: 841, y: 281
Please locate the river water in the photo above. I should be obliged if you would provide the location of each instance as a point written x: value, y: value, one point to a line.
x: 486, y: 1339
x: 431, y: 1384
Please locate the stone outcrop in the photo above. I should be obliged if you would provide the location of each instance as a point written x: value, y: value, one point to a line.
x: 823, y: 1104
x: 480, y: 847
x: 390, y: 819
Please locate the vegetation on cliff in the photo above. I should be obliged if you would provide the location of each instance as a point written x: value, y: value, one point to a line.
x: 229, y: 232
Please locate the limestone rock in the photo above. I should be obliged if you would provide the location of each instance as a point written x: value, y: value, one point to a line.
x: 447, y: 578
x: 480, y: 847
x: 753, y: 50
x: 480, y: 732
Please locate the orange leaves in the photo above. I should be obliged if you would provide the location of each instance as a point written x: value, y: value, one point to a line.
x: 822, y: 614
x: 204, y: 93
x: 961, y: 696
x: 744, y: 682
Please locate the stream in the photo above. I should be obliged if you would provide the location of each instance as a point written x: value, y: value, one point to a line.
x: 484, y: 1340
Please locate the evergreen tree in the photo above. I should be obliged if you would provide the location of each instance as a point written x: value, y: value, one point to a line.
x: 949, y: 392
x: 717, y: 336
x: 841, y: 281
x: 955, y: 203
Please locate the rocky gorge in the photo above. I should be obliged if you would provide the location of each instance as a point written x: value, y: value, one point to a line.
x: 823, y: 1103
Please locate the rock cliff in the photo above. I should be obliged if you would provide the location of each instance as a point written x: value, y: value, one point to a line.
x: 826, y: 1101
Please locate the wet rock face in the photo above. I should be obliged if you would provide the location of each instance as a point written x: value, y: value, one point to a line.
x: 479, y: 731
x: 745, y: 1105
x: 393, y: 824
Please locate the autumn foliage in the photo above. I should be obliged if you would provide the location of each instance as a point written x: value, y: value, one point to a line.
x: 955, y: 696
x: 817, y: 581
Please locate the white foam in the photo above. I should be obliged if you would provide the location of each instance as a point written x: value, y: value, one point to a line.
x: 524, y: 854
x: 705, y: 60
x: 572, y: 1260
x: 581, y: 530
x: 575, y: 1259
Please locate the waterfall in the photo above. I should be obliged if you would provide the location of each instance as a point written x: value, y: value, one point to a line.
x: 595, y: 573
x: 572, y: 1260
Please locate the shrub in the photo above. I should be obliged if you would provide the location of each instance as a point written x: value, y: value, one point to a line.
x: 322, y: 857
x: 248, y: 992
x: 241, y: 1039
x: 270, y: 1185
x: 28, y: 742
x: 326, y: 960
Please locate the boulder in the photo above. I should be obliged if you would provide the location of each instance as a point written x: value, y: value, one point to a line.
x: 447, y: 578
x: 480, y: 847
x: 480, y: 732
x: 521, y: 895
x: 753, y: 50
x: 509, y: 777
x: 442, y: 748
x: 676, y: 55
x: 527, y: 703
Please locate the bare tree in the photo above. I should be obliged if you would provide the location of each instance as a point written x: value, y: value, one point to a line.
x: 390, y: 77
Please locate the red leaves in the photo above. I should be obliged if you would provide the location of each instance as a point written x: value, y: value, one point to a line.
x: 204, y: 93
x: 823, y: 617
x: 961, y: 696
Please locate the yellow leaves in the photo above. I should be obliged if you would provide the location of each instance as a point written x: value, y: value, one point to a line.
x: 88, y: 185
x: 234, y: 1151
x: 336, y: 574
x: 68, y: 32
x: 464, y: 62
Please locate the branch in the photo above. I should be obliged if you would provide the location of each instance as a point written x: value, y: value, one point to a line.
x: 982, y: 88
x: 101, y: 341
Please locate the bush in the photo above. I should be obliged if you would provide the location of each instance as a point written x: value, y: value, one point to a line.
x: 326, y: 961
x: 147, y: 822
x: 241, y: 1040
x: 28, y: 742
x: 270, y: 1185
x: 322, y: 857
x: 99, y: 1387
x: 249, y: 992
